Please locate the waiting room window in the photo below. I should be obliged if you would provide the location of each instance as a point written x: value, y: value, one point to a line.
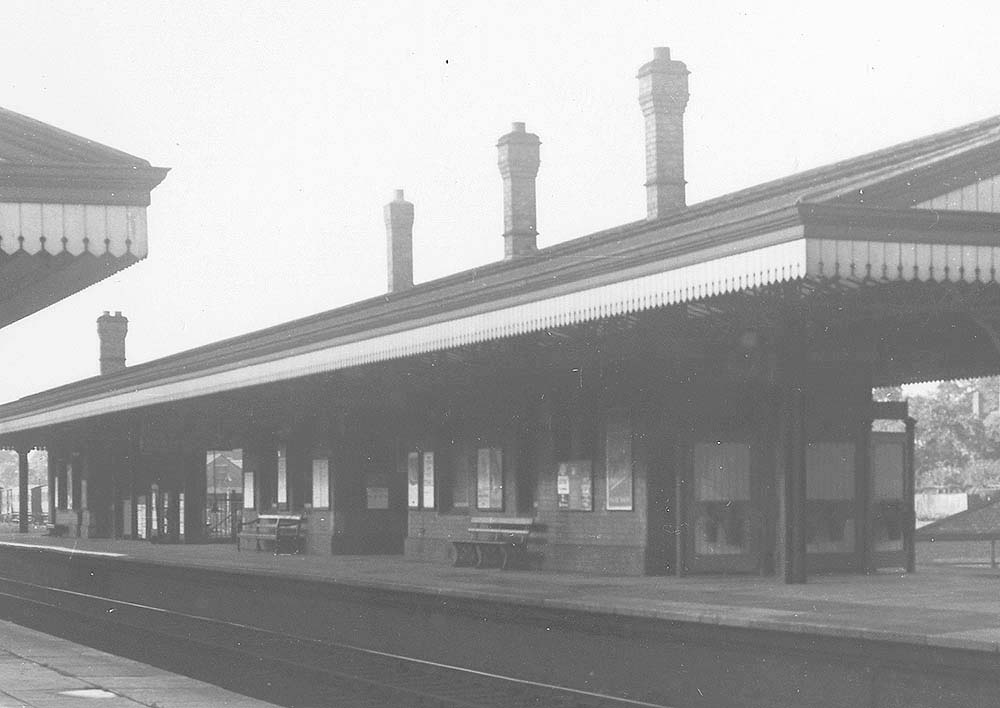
x: 721, y: 497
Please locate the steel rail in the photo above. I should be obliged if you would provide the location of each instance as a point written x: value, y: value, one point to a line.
x: 407, y: 680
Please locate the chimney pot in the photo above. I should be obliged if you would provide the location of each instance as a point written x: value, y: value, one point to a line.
x: 111, y: 331
x: 518, y: 160
x: 399, y: 243
x: 663, y: 96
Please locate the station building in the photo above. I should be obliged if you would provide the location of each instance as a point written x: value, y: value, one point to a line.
x: 72, y: 212
x: 688, y: 393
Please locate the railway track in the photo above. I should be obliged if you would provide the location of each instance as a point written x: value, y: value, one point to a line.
x: 282, y: 668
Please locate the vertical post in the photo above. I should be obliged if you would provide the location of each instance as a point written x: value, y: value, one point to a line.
x: 792, y: 374
x: 23, y: 501
x: 195, y: 493
x: 54, y: 486
x: 795, y: 488
x: 682, y: 509
x: 909, y: 502
x: 862, y: 496
x: 134, y: 450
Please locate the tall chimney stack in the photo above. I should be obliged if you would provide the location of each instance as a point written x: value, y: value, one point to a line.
x: 111, y: 330
x: 663, y: 95
x: 518, y: 161
x: 399, y: 242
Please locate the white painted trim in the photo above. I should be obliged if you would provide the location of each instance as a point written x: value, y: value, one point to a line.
x: 983, y: 195
x: 888, y: 261
x: 673, y: 283
x: 75, y: 228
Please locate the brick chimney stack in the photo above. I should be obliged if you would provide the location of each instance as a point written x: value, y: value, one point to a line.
x: 519, y: 161
x: 111, y: 330
x: 399, y: 242
x: 663, y: 96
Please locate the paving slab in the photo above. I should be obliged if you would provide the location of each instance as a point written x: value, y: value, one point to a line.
x: 70, y: 676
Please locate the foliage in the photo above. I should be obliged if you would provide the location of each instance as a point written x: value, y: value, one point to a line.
x: 37, y: 469
x: 958, y: 439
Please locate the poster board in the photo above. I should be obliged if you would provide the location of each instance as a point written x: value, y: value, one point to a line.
x: 376, y: 490
x: 575, y: 485
x: 321, y: 483
x: 248, y: 491
x: 618, y: 462
x: 428, y: 480
x: 413, y: 480
x: 489, y: 479
x: 282, y: 476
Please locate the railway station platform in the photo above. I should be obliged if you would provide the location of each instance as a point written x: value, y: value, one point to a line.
x: 42, y: 671
x: 930, y: 639
x: 954, y: 606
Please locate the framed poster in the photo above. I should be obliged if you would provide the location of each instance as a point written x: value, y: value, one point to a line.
x: 489, y: 479
x: 282, y: 476
x: 248, y: 497
x: 428, y: 480
x: 574, y: 486
x: 377, y: 490
x: 618, y: 450
x: 413, y: 480
x: 321, y: 483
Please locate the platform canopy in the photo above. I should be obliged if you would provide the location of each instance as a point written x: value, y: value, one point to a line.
x: 72, y: 212
x: 921, y: 215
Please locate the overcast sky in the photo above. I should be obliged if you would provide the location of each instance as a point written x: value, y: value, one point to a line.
x: 287, y: 126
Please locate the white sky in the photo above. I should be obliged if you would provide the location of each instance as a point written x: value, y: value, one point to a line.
x: 288, y: 126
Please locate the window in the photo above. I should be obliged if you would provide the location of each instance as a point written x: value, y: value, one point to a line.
x: 462, y: 473
x: 489, y: 479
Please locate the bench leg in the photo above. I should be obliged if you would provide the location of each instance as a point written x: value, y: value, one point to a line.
x: 485, y: 554
x: 465, y: 554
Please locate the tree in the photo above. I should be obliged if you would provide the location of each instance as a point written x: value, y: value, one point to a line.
x: 958, y: 433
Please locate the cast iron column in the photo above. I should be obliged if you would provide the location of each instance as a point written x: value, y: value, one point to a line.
x: 795, y: 489
x: 53, y: 466
x: 795, y: 372
x: 909, y: 502
x: 23, y: 500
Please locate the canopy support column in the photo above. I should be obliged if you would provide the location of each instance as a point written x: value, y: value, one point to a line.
x: 792, y: 382
x: 23, y: 499
x: 909, y: 501
x: 795, y: 489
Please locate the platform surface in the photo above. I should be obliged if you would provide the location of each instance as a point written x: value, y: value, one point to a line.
x: 41, y: 671
x: 954, y: 605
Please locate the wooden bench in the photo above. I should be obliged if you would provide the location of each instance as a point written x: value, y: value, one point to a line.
x: 56, y: 530
x: 496, y: 540
x: 282, y: 531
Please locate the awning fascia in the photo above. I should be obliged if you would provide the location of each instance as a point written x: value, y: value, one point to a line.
x: 764, y: 260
